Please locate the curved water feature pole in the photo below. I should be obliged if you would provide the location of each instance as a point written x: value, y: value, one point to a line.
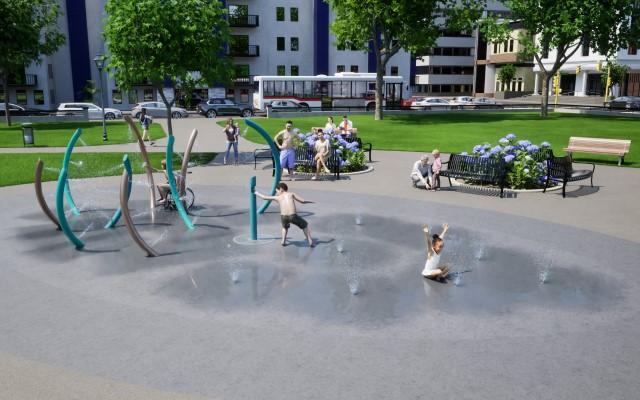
x: 275, y: 153
x: 172, y: 184
x: 65, y: 166
x: 253, y: 215
x: 116, y: 216
x: 41, y: 200
x: 64, y: 224
x: 185, y: 162
x: 125, y: 189
x: 147, y: 164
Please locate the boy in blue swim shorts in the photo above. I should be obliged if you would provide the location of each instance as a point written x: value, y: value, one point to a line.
x: 284, y: 140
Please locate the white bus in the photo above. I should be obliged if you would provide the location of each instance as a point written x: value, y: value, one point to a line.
x: 342, y: 90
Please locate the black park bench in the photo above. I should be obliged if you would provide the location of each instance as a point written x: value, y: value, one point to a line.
x: 476, y: 169
x: 305, y: 154
x: 560, y: 169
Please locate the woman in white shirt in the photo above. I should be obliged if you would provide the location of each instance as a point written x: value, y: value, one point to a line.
x: 330, y: 127
x: 435, y: 244
x: 322, y: 151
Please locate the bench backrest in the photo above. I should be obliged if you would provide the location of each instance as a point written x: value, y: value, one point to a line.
x: 560, y: 166
x: 305, y: 154
x: 487, y: 167
x: 614, y: 145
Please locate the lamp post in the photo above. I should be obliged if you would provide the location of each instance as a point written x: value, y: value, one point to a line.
x: 100, y: 60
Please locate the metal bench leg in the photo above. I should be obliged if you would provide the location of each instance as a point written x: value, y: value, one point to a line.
x: 620, y: 161
x: 591, y: 180
x: 564, y: 189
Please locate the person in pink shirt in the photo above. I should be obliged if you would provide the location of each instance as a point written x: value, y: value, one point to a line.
x: 435, y: 169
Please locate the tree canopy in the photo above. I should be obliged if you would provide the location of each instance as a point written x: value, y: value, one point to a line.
x: 28, y: 30
x: 391, y: 25
x: 164, y: 42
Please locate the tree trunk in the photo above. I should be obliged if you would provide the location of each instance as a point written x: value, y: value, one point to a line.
x: 379, y: 86
x: 168, y: 105
x: 7, y: 115
x: 544, y: 106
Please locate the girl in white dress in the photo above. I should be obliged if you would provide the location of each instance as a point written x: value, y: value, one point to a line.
x: 435, y: 244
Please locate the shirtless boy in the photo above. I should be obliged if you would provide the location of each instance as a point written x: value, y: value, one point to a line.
x: 288, y: 215
x: 287, y: 148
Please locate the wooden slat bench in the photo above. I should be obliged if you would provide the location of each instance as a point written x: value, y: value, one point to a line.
x: 613, y: 147
x: 482, y: 170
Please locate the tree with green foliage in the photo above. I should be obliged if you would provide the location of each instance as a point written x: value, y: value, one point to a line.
x: 28, y: 31
x: 167, y: 42
x: 618, y: 73
x: 391, y: 25
x: 560, y: 28
x: 506, y: 74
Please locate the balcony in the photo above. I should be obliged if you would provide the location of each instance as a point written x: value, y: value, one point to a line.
x: 244, y: 21
x: 23, y: 80
x: 244, y: 51
x: 243, y: 81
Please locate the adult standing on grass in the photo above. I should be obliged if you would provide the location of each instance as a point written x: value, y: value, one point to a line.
x: 284, y: 141
x: 232, y: 133
x: 145, y: 122
x: 321, y: 148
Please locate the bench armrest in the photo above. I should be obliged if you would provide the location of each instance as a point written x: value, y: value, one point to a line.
x: 593, y: 166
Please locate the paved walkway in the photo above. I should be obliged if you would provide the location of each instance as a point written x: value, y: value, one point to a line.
x: 543, y: 350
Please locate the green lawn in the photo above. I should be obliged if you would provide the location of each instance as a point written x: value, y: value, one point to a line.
x: 457, y: 132
x: 57, y: 134
x: 19, y: 168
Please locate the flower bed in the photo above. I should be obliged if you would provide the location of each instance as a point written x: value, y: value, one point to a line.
x: 526, y: 165
x: 351, y: 156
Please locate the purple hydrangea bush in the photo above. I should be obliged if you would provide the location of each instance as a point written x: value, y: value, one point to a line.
x: 524, y: 169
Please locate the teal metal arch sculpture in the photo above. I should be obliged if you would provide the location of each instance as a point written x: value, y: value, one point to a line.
x: 65, y: 166
x: 275, y: 152
x: 62, y: 218
x: 172, y: 184
x: 116, y: 216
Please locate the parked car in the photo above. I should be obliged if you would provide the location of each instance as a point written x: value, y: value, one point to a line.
x: 288, y: 105
x: 95, y: 112
x: 486, y: 102
x: 214, y: 107
x: 16, y: 110
x: 406, y: 103
x: 430, y: 103
x: 624, y: 103
x: 461, y: 101
x: 158, y: 109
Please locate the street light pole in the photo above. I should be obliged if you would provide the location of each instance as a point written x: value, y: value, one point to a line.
x: 100, y: 61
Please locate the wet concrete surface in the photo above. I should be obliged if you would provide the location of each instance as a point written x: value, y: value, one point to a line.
x: 208, y: 302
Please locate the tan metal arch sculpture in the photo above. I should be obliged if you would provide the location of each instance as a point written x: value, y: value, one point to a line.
x: 185, y: 162
x: 41, y: 200
x: 124, y: 206
x: 147, y: 168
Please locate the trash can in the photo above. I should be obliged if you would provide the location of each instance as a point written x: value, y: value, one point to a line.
x: 27, y: 134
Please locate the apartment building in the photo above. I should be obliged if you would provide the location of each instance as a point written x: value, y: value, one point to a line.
x: 491, y: 57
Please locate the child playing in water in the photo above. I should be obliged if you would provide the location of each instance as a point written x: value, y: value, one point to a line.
x: 435, y: 244
x: 288, y: 213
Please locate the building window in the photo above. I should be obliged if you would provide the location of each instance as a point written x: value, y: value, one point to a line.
x: 293, y: 14
x: 295, y: 70
x: 394, y: 71
x: 38, y: 97
x: 280, y: 43
x: 132, y: 96
x: 242, y: 70
x: 230, y: 94
x: 244, y: 95
x: 294, y: 44
x: 545, y: 52
x: 2, y: 96
x: 340, y: 68
x: 116, y: 96
x: 495, y: 48
x: 354, y: 68
x: 147, y: 95
x: 279, y: 13
x: 632, y: 50
x: 281, y: 70
x: 50, y: 71
x: 511, y: 43
x: 21, y: 97
x: 52, y: 96
x: 585, y: 48
x: 340, y: 47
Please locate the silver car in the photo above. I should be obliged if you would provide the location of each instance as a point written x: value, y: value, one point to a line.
x: 158, y: 109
